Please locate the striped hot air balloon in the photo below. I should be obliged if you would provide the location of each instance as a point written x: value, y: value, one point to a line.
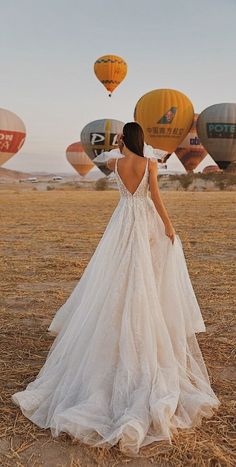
x: 191, y: 152
x: 110, y: 70
x: 78, y: 158
x: 211, y: 169
x: 12, y: 135
x: 231, y: 168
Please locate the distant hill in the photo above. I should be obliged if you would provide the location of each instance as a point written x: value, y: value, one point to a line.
x: 11, y: 175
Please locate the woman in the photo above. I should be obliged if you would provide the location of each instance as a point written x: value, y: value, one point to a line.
x: 126, y: 366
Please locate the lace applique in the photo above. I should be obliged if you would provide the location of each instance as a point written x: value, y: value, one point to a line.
x: 142, y: 189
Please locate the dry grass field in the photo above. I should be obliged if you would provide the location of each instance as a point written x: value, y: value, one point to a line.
x: 46, y: 241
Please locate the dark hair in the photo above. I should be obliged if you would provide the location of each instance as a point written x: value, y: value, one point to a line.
x: 133, y: 138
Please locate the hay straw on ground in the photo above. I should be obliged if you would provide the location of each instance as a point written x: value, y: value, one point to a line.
x: 46, y: 242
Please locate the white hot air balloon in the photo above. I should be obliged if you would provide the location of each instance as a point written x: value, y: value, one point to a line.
x: 12, y: 135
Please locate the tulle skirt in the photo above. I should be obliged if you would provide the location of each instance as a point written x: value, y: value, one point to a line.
x: 125, y: 365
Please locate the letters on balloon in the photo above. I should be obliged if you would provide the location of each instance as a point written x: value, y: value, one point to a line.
x: 98, y: 139
x: 11, y: 142
x: 221, y: 130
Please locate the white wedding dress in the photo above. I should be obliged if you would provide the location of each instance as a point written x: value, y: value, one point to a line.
x: 125, y: 365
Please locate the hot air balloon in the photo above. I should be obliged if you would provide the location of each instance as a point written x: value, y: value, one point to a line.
x: 99, y: 136
x: 12, y: 134
x: 110, y: 70
x: 190, y: 151
x: 166, y: 117
x: 78, y: 158
x: 231, y: 168
x: 216, y: 128
x: 211, y: 169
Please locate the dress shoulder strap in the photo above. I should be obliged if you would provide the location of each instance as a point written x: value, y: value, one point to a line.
x: 152, y: 159
x: 116, y: 164
x: 148, y: 164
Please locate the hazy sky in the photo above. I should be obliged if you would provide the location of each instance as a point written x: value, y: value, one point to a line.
x: 48, y: 47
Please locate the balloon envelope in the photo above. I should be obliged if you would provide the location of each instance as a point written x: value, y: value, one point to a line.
x: 231, y: 168
x: 166, y: 117
x: 216, y: 128
x: 211, y: 169
x: 99, y: 136
x: 190, y: 151
x: 77, y: 157
x: 12, y: 134
x: 110, y: 70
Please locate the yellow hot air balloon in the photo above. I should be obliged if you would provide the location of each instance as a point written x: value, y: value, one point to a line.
x: 78, y: 158
x: 110, y: 70
x: 166, y: 117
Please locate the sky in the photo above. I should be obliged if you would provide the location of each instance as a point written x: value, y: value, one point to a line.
x: 48, y: 48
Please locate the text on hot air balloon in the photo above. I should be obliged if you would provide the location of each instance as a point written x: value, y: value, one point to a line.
x: 6, y: 137
x: 165, y: 132
x: 221, y: 130
x: 102, y: 142
x: 5, y: 141
x: 195, y: 141
x: 11, y: 142
x: 99, y: 138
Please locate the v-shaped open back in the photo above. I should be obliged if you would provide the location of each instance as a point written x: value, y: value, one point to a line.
x: 139, y: 184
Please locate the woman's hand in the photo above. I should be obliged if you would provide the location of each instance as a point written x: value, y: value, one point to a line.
x: 170, y: 232
x: 120, y: 141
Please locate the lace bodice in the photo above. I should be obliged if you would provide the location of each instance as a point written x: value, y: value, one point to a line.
x: 142, y: 189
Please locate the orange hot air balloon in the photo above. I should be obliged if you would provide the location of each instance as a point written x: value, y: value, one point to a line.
x: 78, y: 158
x: 166, y: 117
x: 191, y: 152
x: 12, y: 135
x: 110, y: 70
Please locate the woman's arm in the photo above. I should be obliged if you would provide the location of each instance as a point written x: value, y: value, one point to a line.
x: 156, y: 197
x: 112, y: 162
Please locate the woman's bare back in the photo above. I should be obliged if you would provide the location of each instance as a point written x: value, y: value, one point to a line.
x: 131, y: 170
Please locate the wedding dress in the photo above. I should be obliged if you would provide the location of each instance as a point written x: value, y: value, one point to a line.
x: 125, y: 365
